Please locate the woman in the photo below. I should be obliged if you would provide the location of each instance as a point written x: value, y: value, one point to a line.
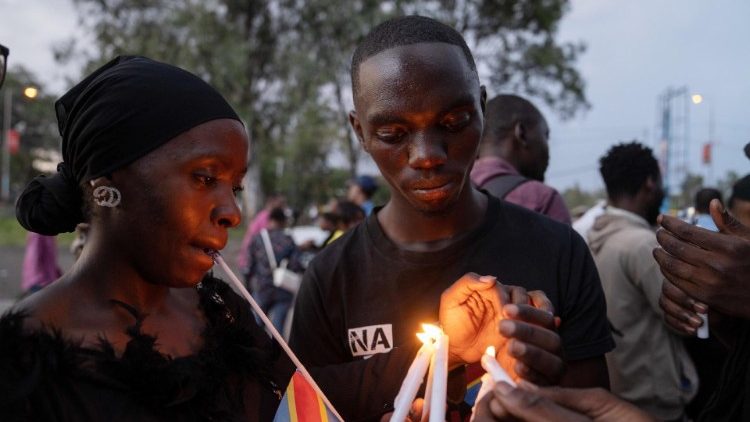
x: 274, y: 301
x: 136, y: 330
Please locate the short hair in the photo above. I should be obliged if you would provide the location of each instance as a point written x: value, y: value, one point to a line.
x: 349, y: 212
x: 704, y: 197
x: 405, y: 30
x: 626, y: 167
x: 278, y: 215
x: 503, y: 112
x: 740, y: 190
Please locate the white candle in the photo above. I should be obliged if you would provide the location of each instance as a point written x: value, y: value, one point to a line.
x: 491, y: 365
x: 703, y: 329
x: 487, y: 384
x: 412, y: 381
x: 440, y: 379
x: 428, y: 391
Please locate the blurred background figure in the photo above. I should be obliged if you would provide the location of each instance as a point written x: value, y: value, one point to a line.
x: 361, y: 190
x: 649, y: 367
x: 347, y: 214
x: 514, y: 156
x: 258, y: 223
x: 739, y: 202
x: 702, y: 198
x: 4, y: 51
x: 39, y: 263
x: 274, y: 301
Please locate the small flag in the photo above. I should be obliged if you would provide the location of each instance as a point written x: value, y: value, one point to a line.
x: 474, y: 374
x: 301, y: 404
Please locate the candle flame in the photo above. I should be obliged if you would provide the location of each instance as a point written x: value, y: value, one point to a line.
x: 430, y: 334
x: 490, y: 351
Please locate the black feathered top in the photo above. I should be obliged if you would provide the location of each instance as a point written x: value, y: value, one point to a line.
x: 237, y: 375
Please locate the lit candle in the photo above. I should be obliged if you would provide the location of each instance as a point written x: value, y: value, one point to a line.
x: 440, y: 379
x: 428, y: 391
x: 414, y: 377
x: 491, y: 365
x: 487, y: 385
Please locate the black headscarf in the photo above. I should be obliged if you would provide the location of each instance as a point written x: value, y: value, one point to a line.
x: 121, y: 112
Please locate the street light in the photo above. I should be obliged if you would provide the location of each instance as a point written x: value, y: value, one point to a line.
x: 707, y: 159
x: 29, y: 92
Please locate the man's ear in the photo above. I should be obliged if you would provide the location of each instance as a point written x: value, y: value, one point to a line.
x: 357, y: 127
x: 519, y: 133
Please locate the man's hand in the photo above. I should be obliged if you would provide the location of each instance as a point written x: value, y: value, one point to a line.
x: 531, y: 403
x: 476, y: 312
x: 711, y: 268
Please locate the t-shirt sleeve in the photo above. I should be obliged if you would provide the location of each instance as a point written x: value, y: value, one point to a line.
x: 361, y: 390
x: 584, y: 328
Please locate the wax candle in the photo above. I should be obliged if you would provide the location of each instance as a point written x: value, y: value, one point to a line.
x: 440, y: 379
x: 414, y: 377
x: 428, y: 391
x: 703, y: 329
x: 491, y: 365
x: 487, y: 385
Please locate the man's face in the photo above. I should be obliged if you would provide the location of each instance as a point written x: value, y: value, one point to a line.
x: 419, y: 114
x: 535, y: 156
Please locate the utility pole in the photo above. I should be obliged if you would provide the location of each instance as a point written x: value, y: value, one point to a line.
x: 673, y: 108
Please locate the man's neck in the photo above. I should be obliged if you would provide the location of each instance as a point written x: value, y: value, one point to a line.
x: 629, y: 204
x: 417, y: 230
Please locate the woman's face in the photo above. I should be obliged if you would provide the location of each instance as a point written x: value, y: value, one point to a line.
x: 178, y: 202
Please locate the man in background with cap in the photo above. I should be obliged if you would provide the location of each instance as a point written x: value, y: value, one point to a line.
x: 361, y: 191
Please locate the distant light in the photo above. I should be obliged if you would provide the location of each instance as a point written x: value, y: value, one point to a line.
x: 697, y: 98
x: 30, y: 92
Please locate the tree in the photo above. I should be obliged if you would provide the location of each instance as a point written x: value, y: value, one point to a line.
x: 35, y: 121
x: 284, y: 64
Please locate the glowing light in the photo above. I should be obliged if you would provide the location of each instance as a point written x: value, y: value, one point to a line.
x: 430, y: 334
x: 30, y: 92
x: 697, y: 98
x: 490, y: 351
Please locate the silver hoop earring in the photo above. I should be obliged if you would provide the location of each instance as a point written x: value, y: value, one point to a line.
x: 107, y: 196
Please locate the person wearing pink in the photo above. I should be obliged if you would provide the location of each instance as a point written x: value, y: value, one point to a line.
x: 514, y: 156
x: 258, y: 223
x: 39, y: 262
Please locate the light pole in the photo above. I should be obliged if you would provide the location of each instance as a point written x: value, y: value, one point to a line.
x: 31, y: 93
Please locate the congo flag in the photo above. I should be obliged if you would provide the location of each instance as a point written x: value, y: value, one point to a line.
x: 301, y: 404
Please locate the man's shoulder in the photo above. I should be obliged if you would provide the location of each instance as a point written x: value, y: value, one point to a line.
x: 515, y: 218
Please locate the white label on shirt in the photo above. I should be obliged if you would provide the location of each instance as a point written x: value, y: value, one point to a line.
x: 367, y: 341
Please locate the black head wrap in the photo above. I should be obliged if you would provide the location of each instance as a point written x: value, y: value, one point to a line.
x: 121, y: 112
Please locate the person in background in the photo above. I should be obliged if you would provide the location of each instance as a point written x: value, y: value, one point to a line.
x: 348, y: 214
x: 82, y: 233
x: 258, y: 223
x: 360, y: 191
x: 39, y: 263
x: 514, y: 155
x: 702, y: 199
x: 739, y: 201
x: 649, y: 367
x: 584, y: 223
x: 274, y: 301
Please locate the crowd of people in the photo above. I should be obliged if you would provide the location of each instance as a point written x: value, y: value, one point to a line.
x: 594, y: 320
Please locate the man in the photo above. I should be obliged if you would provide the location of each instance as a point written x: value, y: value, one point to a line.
x: 419, y: 114
x: 649, y: 367
x: 360, y: 192
x: 514, y: 156
x: 702, y: 199
x: 739, y: 201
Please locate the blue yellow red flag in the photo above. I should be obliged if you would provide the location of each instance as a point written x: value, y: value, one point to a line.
x: 301, y: 404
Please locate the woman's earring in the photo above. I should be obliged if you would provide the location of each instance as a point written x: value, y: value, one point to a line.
x: 107, y: 196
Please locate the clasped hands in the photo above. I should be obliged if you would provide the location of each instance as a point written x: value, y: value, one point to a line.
x: 476, y: 312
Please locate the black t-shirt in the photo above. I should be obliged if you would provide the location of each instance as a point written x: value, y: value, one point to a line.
x: 363, y: 299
